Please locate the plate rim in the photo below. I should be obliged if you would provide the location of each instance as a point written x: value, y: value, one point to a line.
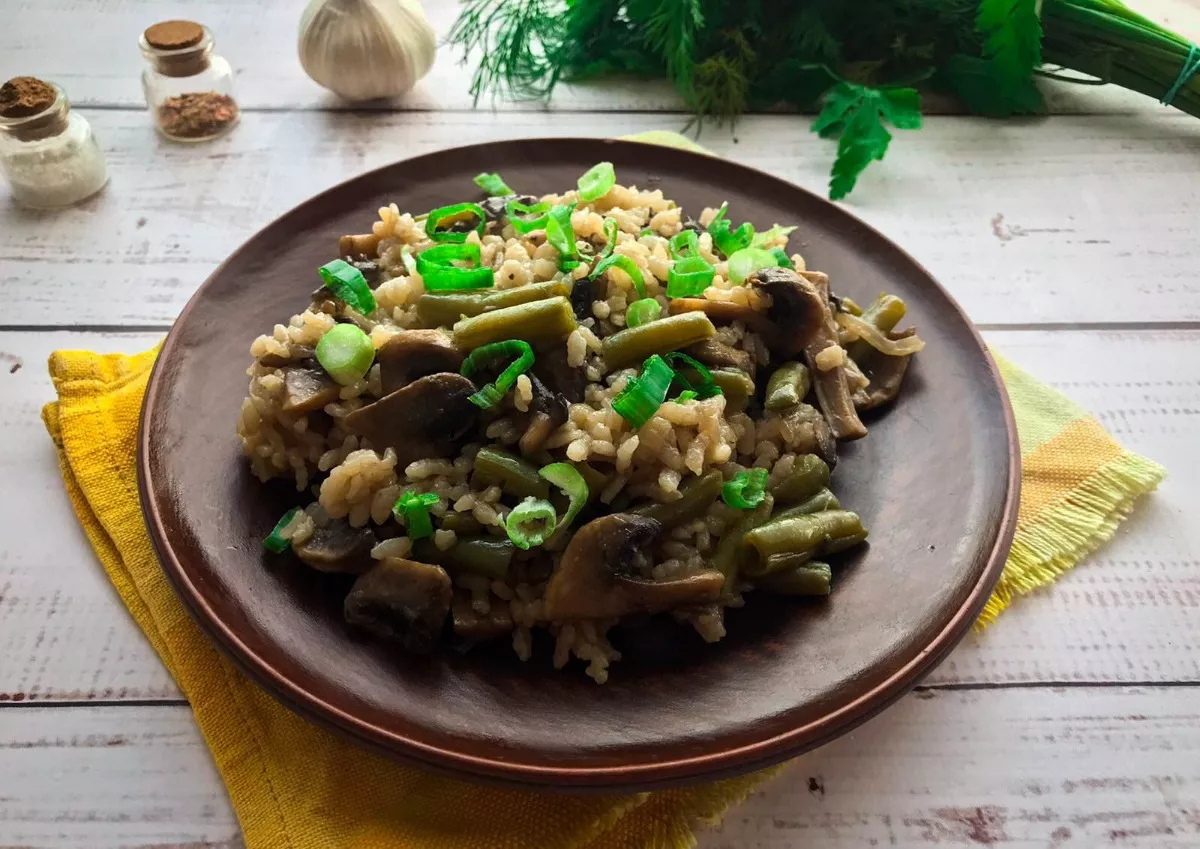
x: 648, y: 774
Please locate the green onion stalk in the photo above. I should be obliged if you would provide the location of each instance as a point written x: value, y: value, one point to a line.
x: 863, y: 65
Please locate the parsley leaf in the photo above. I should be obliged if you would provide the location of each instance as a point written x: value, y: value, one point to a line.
x: 1012, y: 42
x: 976, y: 82
x: 854, y: 115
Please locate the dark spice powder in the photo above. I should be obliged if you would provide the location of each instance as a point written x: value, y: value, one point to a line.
x: 21, y: 97
x: 196, y: 115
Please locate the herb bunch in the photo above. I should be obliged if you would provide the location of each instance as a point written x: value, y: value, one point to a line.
x: 860, y: 64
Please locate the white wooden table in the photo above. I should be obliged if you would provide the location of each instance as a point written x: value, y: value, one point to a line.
x: 1074, y: 722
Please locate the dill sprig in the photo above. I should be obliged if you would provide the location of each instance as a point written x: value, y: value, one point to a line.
x: 856, y: 62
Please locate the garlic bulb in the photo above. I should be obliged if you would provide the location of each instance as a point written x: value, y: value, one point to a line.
x: 366, y: 49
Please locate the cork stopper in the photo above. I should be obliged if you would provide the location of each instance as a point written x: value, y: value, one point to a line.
x: 174, y: 35
x: 21, y: 97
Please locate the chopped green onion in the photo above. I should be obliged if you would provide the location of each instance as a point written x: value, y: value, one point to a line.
x: 516, y: 210
x: 781, y: 258
x: 435, y: 265
x: 727, y: 240
x: 447, y: 215
x: 745, y: 490
x: 491, y: 394
x: 567, y: 478
x: 686, y: 395
x: 274, y: 543
x: 348, y: 285
x: 689, y: 277
x: 646, y: 231
x: 493, y: 185
x: 346, y: 353
x: 561, y: 236
x: 769, y: 235
x: 708, y: 387
x: 410, y: 261
x: 412, y: 508
x: 642, y: 311
x: 597, y: 182
x: 684, y: 243
x: 643, y: 395
x: 745, y: 262
x: 610, y: 239
x: 530, y: 523
x: 625, y: 264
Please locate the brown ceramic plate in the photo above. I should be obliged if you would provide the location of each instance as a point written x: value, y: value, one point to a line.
x: 935, y: 481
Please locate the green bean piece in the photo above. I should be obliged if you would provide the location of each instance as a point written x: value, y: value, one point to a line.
x: 483, y: 555
x: 595, y: 480
x: 787, y: 561
x: 632, y: 345
x: 461, y: 523
x: 810, y: 579
x: 538, y: 322
x: 885, y: 313
x: 821, y: 500
x: 698, y: 496
x: 735, y: 385
x: 808, y: 475
x: 813, y: 534
x: 444, y: 310
x: 515, y: 476
x: 731, y: 549
x: 787, y: 386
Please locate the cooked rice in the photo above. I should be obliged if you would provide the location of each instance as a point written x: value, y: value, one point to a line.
x: 360, y: 482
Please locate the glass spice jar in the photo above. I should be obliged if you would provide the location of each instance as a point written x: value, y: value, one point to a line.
x: 189, y: 89
x: 47, y: 152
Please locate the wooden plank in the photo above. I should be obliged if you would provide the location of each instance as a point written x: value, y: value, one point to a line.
x: 1075, y: 767
x: 259, y: 40
x: 1129, y: 615
x: 1023, y: 223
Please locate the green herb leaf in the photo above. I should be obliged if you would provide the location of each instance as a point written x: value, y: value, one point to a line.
x: 1012, y: 41
x: 854, y: 114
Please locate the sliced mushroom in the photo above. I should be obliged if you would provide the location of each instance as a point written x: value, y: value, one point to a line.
x: 305, y: 390
x: 800, y: 313
x: 495, y: 208
x: 547, y: 411
x: 297, y: 355
x: 365, y: 243
x: 413, y: 354
x: 426, y: 418
x: 403, y: 601
x: 716, y: 354
x: 475, y: 627
x: 885, y: 375
x: 594, y: 577
x: 371, y: 270
x: 725, y: 312
x: 337, y: 547
x: 560, y: 378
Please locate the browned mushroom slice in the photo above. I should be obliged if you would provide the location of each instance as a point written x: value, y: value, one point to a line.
x: 403, y: 601
x: 560, y: 378
x: 338, y: 547
x: 297, y: 355
x: 306, y: 390
x: 475, y: 627
x: 364, y: 243
x: 801, y: 314
x: 427, y: 418
x: 594, y: 578
x: 716, y: 354
x: 413, y: 354
x: 725, y: 312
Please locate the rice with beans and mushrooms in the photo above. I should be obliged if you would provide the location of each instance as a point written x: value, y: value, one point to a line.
x: 499, y: 427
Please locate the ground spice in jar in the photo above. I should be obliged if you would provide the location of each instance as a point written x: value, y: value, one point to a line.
x: 197, y: 115
x: 21, y: 97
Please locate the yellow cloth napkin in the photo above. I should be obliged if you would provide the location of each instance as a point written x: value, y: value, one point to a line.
x: 295, y: 786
